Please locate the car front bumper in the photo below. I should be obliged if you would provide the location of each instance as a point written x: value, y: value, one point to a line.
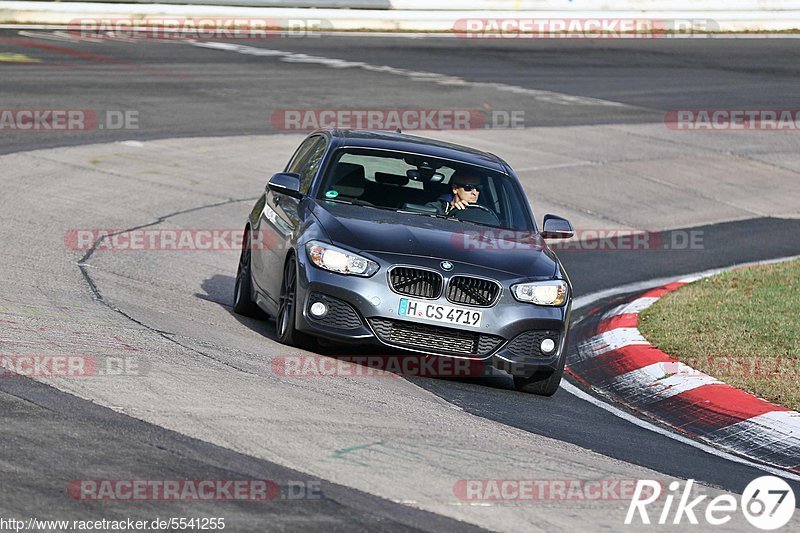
x: 361, y: 309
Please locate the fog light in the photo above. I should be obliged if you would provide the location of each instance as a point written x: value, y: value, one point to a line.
x: 548, y: 346
x: 319, y: 309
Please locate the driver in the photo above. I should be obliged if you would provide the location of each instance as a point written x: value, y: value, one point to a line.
x: 466, y: 190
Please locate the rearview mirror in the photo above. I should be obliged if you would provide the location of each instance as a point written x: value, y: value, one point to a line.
x: 285, y: 183
x: 555, y: 227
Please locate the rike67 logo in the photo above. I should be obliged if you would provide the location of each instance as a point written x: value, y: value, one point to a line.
x: 767, y: 502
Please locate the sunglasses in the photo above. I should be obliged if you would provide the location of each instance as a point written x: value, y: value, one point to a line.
x: 469, y: 187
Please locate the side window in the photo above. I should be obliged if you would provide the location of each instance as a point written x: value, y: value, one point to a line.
x: 300, y: 155
x: 310, y: 165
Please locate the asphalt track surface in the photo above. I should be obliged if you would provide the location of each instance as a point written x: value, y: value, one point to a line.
x: 180, y: 90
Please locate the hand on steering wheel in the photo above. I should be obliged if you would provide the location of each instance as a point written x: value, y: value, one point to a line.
x: 459, y: 205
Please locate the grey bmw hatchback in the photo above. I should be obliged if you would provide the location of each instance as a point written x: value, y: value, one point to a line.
x: 409, y: 243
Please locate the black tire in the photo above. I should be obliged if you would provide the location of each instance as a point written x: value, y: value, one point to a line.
x: 285, y: 320
x: 542, y: 383
x: 243, y: 303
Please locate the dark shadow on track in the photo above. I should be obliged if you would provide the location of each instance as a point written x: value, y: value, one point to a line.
x: 219, y: 290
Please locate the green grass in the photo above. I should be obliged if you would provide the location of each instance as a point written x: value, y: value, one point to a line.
x: 742, y: 327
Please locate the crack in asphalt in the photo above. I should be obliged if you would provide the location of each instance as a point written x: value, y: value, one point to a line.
x: 84, y: 268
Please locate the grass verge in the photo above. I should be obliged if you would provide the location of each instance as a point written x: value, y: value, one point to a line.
x: 742, y: 327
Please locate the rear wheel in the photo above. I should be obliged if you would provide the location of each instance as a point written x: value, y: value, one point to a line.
x: 243, y: 303
x: 543, y: 383
x: 287, y: 308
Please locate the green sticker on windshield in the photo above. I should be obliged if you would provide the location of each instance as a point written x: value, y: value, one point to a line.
x: 331, y: 194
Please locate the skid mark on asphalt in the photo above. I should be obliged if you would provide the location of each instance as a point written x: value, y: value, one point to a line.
x: 540, y: 95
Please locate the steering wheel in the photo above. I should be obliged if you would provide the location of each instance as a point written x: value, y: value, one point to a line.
x: 456, y: 212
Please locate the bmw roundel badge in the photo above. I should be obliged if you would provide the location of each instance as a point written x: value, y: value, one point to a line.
x: 447, y: 265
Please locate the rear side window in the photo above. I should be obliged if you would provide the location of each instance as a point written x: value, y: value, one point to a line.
x: 306, y: 161
x: 299, y: 156
x: 311, y: 164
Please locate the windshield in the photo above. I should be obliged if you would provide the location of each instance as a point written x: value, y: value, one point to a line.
x: 426, y: 186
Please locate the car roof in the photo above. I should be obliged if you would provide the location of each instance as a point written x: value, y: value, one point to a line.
x: 402, y: 142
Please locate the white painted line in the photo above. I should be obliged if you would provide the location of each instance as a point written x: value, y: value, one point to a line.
x: 419, y: 76
x: 575, y: 391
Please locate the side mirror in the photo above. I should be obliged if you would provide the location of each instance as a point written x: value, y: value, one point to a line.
x: 285, y: 183
x: 555, y: 227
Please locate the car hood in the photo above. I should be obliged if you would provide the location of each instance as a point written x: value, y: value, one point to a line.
x: 375, y: 230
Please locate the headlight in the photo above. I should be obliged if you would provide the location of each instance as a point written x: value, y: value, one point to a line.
x: 553, y: 293
x: 335, y: 259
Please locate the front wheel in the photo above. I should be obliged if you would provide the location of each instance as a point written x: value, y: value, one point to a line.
x: 285, y: 321
x: 243, y: 303
x: 542, y: 383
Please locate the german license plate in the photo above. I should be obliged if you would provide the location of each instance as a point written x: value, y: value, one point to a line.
x: 416, y: 309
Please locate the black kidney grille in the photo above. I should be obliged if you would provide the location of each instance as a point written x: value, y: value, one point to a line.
x: 472, y: 291
x: 416, y: 282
